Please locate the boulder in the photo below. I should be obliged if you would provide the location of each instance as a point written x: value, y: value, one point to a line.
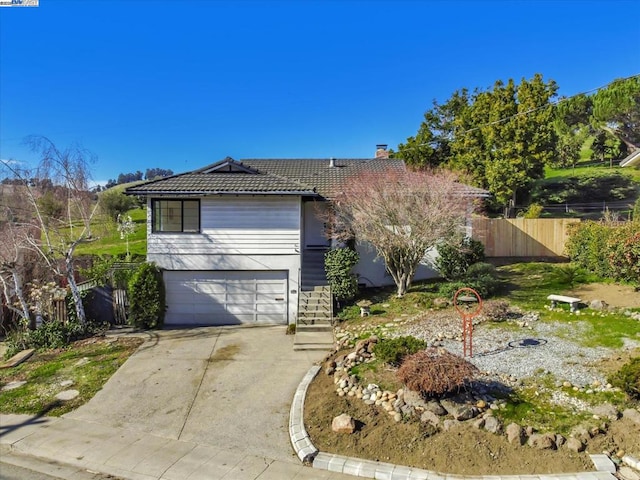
x: 343, y: 424
x: 435, y: 407
x: 515, y: 434
x: 430, y: 417
x: 599, y: 305
x: 542, y: 441
x: 414, y: 399
x: 492, y: 425
x: 459, y: 411
x: 632, y: 414
x: 606, y: 410
x: 574, y: 445
x: 581, y: 433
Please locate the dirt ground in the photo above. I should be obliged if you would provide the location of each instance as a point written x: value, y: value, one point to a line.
x: 619, y: 296
x: 463, y: 450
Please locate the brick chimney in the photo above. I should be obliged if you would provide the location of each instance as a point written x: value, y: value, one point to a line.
x: 381, y: 151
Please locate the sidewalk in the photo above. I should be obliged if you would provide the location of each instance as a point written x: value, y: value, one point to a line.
x: 140, y: 456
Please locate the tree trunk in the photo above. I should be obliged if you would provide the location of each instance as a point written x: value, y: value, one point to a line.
x: 75, y: 293
x: 17, y: 283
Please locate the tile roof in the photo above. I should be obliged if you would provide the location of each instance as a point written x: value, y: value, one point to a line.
x: 300, y: 176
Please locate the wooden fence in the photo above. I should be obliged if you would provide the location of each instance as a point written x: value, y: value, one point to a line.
x: 522, y: 237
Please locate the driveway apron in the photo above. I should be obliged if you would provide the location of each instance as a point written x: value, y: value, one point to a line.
x: 223, y: 386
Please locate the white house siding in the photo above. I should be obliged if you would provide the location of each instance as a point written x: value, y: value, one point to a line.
x: 371, y: 270
x: 238, y: 234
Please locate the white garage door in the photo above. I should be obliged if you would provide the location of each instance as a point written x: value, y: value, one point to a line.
x: 226, y: 297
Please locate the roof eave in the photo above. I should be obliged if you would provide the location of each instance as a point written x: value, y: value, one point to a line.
x: 213, y: 192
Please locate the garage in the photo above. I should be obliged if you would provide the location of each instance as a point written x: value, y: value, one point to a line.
x: 226, y: 297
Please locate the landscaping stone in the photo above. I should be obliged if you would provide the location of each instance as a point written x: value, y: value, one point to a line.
x: 492, y: 425
x: 598, y: 305
x: 414, y: 399
x: 430, y: 417
x: 343, y: 424
x: 581, y: 433
x: 435, y: 407
x: 515, y: 434
x: 66, y: 383
x: 543, y: 441
x: 606, y: 410
x: 18, y: 358
x: 575, y: 445
x: 67, y: 395
x: 459, y: 411
x: 478, y: 423
x: 448, y: 424
x: 560, y: 440
x: 632, y: 414
x: 13, y: 385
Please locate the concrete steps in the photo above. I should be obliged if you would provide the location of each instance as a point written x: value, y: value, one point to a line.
x: 314, y: 330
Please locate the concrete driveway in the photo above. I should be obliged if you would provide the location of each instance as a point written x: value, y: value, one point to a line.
x: 222, y: 386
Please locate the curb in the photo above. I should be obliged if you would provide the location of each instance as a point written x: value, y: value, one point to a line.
x: 308, y: 453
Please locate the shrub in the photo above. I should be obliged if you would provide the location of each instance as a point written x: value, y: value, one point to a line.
x: 146, y: 297
x: 635, y: 214
x: 338, y: 264
x: 434, y: 372
x: 623, y: 250
x: 453, y: 261
x: 628, y: 378
x: 495, y: 310
x: 482, y: 277
x: 394, y: 350
x: 586, y: 244
x: 50, y: 334
x: 534, y: 211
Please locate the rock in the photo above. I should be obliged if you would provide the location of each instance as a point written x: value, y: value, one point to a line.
x: 574, y: 444
x: 66, y: 383
x: 481, y: 404
x: 606, y: 410
x: 581, y: 433
x: 430, y: 417
x: 448, y: 424
x: 459, y: 411
x: 397, y: 416
x: 414, y: 399
x: 330, y: 368
x: 560, y: 440
x: 343, y: 424
x: 352, y: 356
x: 13, y: 385
x: 515, y: 434
x: 599, y: 305
x: 529, y: 431
x: 435, y: 407
x: 492, y: 425
x: 632, y: 414
x: 67, y: 395
x: 628, y: 473
x: 478, y: 423
x: 407, y: 410
x: 542, y: 441
x: 82, y: 361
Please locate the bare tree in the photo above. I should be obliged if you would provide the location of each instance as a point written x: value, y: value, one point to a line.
x: 58, y: 235
x: 13, y: 252
x: 402, y: 215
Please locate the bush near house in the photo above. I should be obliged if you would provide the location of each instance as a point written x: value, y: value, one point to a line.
x: 146, y: 297
x: 338, y: 264
x: 454, y: 260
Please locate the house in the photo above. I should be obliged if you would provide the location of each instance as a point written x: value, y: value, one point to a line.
x: 239, y: 240
x: 633, y: 159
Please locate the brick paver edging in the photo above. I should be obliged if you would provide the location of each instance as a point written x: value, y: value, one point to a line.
x: 308, y: 453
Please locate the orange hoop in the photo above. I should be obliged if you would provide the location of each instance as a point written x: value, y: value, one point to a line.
x: 467, y: 316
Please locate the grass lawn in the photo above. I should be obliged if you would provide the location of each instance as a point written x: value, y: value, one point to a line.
x: 87, y: 364
x: 110, y: 243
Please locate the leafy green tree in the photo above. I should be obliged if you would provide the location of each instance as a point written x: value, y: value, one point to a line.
x: 616, y: 109
x: 114, y: 202
x: 507, y: 136
x: 431, y: 147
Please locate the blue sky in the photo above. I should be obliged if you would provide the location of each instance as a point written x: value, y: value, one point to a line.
x: 181, y: 84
